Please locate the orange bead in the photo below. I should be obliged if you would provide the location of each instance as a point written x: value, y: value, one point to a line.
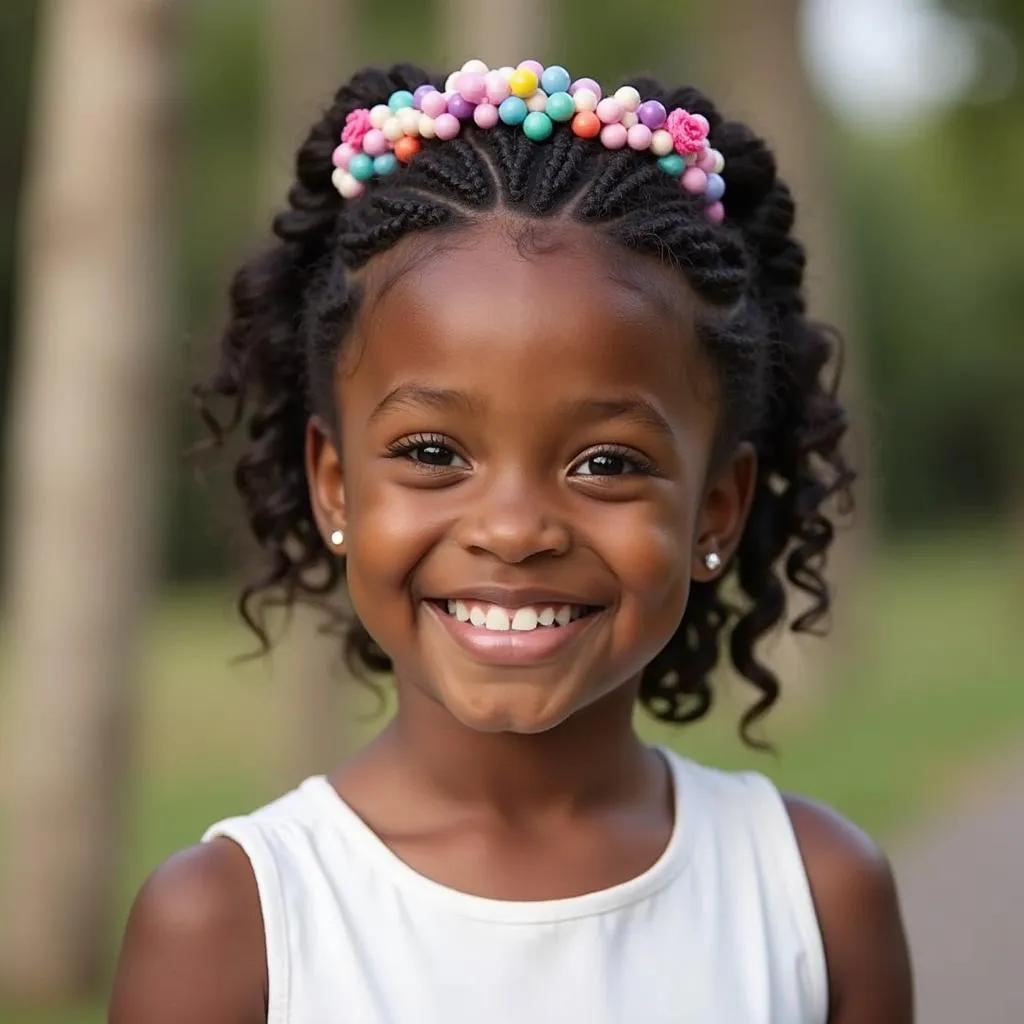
x: 586, y: 124
x: 406, y: 148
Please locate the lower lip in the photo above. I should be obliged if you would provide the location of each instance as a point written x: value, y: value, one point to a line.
x: 512, y: 647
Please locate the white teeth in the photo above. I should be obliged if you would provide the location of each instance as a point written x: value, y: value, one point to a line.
x: 524, y: 620
x: 497, y: 619
x: 521, y: 620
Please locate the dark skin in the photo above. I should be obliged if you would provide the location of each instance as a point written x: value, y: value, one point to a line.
x: 473, y: 455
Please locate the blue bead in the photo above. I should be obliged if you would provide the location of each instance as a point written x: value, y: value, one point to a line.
x: 555, y: 79
x: 401, y: 100
x: 716, y: 188
x: 673, y: 164
x: 513, y: 110
x: 361, y: 167
x: 386, y: 163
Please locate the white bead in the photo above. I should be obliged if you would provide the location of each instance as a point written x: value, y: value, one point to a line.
x: 379, y: 114
x: 628, y: 98
x: 585, y: 99
x: 662, y: 144
x: 349, y: 187
x: 392, y: 129
x: 449, y: 83
x: 476, y: 66
x: 538, y: 101
x: 409, y: 119
x: 506, y: 71
x: 629, y: 118
x: 427, y: 129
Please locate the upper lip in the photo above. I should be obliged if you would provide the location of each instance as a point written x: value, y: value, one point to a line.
x: 517, y: 597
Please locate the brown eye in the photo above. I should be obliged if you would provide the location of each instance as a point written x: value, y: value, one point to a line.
x: 611, y: 462
x: 437, y: 456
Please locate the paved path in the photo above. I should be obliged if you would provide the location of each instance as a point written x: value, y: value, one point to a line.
x: 962, y: 886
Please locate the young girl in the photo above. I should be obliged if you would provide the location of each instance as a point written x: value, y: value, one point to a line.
x: 522, y: 371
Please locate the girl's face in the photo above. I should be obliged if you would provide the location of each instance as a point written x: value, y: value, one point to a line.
x: 526, y: 425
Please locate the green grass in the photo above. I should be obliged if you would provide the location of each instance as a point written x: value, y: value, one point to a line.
x: 934, y: 687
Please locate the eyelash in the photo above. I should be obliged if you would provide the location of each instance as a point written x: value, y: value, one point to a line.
x: 404, y: 447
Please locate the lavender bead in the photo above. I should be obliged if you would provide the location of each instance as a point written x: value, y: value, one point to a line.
x: 653, y: 114
x: 716, y: 188
x: 417, y: 96
x: 585, y: 83
x: 460, y: 107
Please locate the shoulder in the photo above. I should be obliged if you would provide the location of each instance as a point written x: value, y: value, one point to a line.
x: 855, y: 897
x: 193, y: 947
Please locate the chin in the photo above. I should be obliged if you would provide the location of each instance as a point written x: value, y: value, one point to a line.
x: 521, y: 713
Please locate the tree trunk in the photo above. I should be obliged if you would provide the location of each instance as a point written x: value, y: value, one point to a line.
x: 85, y: 430
x: 308, y: 58
x: 483, y: 29
x: 756, y: 66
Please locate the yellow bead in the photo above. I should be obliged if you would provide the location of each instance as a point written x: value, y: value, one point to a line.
x: 393, y: 129
x: 427, y: 130
x: 409, y: 119
x: 523, y: 82
x: 661, y: 143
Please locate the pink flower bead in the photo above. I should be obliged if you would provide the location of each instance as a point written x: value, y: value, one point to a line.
x: 446, y: 126
x: 486, y: 115
x: 434, y: 104
x: 375, y: 143
x: 472, y: 86
x: 716, y: 213
x: 343, y: 155
x: 689, y: 131
x: 614, y: 136
x: 695, y: 181
x: 609, y: 111
x: 639, y: 137
x: 357, y: 124
x: 496, y: 87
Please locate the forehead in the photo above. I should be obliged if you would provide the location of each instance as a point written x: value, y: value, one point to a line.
x: 519, y: 310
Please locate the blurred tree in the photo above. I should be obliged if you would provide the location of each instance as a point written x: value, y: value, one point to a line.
x: 754, y: 61
x: 87, y: 412
x: 308, y: 58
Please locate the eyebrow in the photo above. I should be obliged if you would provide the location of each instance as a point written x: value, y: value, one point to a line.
x: 632, y: 408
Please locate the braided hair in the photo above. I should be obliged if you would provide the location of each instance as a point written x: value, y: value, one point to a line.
x: 291, y: 306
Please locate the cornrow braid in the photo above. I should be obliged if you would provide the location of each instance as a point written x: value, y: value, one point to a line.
x: 290, y: 309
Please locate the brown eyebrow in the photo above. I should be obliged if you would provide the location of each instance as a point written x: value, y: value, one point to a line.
x: 632, y: 408
x: 421, y: 396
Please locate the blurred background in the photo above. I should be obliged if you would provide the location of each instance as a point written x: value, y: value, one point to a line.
x: 145, y: 144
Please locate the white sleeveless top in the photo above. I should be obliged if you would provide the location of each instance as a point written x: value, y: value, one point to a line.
x: 720, y: 930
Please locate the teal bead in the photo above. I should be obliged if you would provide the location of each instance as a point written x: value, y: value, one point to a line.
x: 673, y: 164
x: 401, y: 100
x: 513, y: 110
x: 538, y: 126
x: 361, y: 167
x: 561, y: 107
x: 386, y: 163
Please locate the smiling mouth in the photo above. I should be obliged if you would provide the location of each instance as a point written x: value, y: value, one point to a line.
x: 495, y: 618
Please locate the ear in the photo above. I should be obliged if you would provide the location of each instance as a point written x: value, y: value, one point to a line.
x: 723, y: 513
x: 326, y: 481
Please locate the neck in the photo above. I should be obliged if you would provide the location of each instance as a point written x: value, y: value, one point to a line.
x: 592, y: 758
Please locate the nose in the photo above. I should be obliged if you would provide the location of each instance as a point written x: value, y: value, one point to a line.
x: 514, y: 521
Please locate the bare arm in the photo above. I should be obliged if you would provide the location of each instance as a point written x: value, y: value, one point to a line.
x: 194, y: 948
x: 858, y: 911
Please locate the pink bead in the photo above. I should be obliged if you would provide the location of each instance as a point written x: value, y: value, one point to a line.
x: 614, y: 136
x: 446, y: 126
x: 472, y: 86
x: 639, y: 137
x: 585, y: 83
x: 434, y: 104
x: 534, y: 65
x: 610, y: 111
x: 343, y: 155
x: 486, y: 115
x: 375, y: 143
x: 695, y: 181
x: 716, y: 213
x: 706, y: 161
x: 496, y: 87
